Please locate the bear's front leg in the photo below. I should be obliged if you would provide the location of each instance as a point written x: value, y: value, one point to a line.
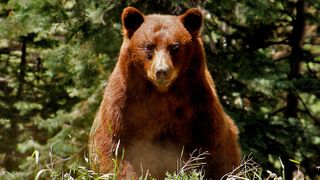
x: 106, y: 156
x: 225, y: 159
x: 127, y: 171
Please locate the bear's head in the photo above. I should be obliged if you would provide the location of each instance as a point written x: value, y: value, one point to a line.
x: 161, y: 47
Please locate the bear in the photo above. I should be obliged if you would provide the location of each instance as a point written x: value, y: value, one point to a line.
x: 160, y: 103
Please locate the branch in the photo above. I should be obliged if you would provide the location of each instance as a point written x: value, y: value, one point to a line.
x: 284, y: 42
x: 315, y: 119
x: 313, y: 73
x: 315, y: 44
x: 282, y: 58
x: 311, y: 58
x: 8, y: 50
x: 277, y: 111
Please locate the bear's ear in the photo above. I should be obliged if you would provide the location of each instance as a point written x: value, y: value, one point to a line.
x: 131, y: 19
x: 192, y: 20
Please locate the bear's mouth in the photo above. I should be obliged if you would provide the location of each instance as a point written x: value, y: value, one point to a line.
x: 163, y: 84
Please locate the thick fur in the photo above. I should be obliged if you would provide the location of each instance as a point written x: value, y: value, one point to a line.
x: 153, y: 124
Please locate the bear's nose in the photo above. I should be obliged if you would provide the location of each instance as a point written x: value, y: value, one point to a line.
x: 162, y: 73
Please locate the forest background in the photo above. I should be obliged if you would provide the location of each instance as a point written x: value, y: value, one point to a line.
x: 56, y: 56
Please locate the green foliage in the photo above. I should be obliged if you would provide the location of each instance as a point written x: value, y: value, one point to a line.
x: 185, y: 176
x: 55, y: 58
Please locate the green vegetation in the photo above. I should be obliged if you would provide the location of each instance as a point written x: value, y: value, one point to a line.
x: 56, y: 55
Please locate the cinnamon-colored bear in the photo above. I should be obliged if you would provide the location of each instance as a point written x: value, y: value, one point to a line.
x: 161, y: 99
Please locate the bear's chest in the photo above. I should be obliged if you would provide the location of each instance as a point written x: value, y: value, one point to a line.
x: 158, y: 131
x: 159, y: 119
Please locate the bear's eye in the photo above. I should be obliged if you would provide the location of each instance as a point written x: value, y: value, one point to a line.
x: 149, y: 48
x: 174, y: 48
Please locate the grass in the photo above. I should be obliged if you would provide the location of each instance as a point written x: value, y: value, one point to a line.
x: 192, y: 169
x: 186, y: 170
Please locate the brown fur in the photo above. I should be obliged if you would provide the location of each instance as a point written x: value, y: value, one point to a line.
x: 155, y: 120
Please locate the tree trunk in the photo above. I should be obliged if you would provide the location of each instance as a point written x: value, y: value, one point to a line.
x: 296, y: 43
x: 22, y: 66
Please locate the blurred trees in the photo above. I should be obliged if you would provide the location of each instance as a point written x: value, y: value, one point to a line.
x: 55, y: 57
x: 267, y: 72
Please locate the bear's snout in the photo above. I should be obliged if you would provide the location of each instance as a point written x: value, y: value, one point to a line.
x: 162, y: 73
x: 162, y: 68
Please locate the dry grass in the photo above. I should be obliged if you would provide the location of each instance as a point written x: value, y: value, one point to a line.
x: 190, y: 169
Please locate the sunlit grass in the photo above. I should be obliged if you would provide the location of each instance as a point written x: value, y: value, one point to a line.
x: 192, y: 169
